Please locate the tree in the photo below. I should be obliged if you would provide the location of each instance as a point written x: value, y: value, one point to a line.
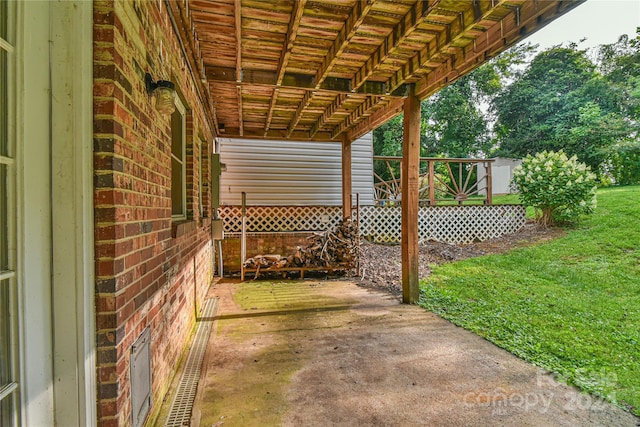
x: 457, y: 121
x: 533, y: 111
x: 514, y: 106
x: 620, y: 65
x: 453, y: 124
x: 562, y: 102
x: 387, y: 141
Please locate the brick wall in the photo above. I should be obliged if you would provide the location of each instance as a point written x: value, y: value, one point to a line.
x: 150, y: 271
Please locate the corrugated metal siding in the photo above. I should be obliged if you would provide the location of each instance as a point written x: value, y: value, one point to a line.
x: 293, y: 173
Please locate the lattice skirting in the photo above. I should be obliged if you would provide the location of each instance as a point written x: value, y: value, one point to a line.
x: 281, y: 218
x: 452, y: 224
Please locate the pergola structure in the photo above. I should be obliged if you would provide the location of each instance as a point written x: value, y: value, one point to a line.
x: 333, y: 70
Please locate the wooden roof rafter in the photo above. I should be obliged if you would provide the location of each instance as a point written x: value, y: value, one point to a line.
x: 452, y: 33
x: 238, y: 74
x: 403, y: 29
x: 493, y: 40
x: 356, y: 17
x: 306, y: 99
x: 284, y: 69
x: 328, y: 113
x: 361, y: 112
x: 272, y: 106
x: 294, y: 24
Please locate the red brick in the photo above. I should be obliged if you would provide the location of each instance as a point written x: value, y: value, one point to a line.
x: 105, y: 303
x: 134, y: 250
x: 108, y: 408
x: 105, y: 321
x: 108, y: 422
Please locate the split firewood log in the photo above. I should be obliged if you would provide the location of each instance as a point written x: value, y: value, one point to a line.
x: 339, y: 247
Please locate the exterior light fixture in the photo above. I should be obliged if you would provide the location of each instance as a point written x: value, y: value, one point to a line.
x: 164, y: 91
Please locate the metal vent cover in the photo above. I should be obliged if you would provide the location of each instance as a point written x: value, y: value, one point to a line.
x: 140, y: 371
x: 182, y: 406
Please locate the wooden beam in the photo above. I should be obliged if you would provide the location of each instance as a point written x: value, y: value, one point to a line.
x: 240, y: 117
x: 379, y: 117
x: 292, y: 32
x: 410, y: 187
x: 306, y: 99
x: 328, y: 113
x: 277, y: 134
x: 532, y: 15
x: 272, y: 106
x: 403, y: 29
x: 357, y: 115
x: 346, y: 177
x: 432, y: 55
x: 355, y: 19
x: 238, y: 28
x: 292, y: 80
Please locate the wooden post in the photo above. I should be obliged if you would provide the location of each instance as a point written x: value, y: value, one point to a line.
x: 432, y: 183
x: 243, y: 240
x: 489, y: 199
x: 410, y: 183
x: 346, y: 177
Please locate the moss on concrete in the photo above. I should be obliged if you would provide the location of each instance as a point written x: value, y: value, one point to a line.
x: 268, y: 358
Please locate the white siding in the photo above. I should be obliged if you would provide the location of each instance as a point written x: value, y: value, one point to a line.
x: 293, y: 173
x: 501, y: 175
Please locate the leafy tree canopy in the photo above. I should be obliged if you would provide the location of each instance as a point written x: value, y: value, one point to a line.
x: 563, y: 98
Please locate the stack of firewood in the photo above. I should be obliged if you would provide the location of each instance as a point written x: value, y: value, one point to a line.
x: 266, y: 262
x: 335, y: 248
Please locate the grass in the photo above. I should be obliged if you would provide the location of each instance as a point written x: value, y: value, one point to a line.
x: 513, y: 199
x: 571, y: 305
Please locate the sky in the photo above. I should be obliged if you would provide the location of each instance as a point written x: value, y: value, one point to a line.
x: 600, y: 21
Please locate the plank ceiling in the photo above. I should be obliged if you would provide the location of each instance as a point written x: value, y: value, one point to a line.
x: 336, y: 69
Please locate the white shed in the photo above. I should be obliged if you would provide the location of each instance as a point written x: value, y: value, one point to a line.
x: 501, y: 174
x: 293, y: 173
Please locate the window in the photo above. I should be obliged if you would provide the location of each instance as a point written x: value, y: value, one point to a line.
x: 8, y: 299
x: 178, y: 164
x: 201, y: 160
x: 204, y: 184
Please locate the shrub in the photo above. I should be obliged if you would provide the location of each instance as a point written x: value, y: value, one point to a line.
x: 559, y: 188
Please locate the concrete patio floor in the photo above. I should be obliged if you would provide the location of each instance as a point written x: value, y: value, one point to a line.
x: 319, y: 353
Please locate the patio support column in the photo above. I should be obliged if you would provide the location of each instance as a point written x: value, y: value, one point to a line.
x: 409, y: 183
x: 346, y: 177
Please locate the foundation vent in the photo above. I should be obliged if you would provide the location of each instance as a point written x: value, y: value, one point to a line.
x: 140, y: 366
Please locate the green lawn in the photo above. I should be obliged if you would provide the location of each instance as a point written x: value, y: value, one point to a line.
x: 511, y: 199
x: 571, y: 305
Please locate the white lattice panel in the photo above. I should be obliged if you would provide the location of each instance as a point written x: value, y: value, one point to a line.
x: 281, y: 218
x: 452, y: 224
x: 381, y: 224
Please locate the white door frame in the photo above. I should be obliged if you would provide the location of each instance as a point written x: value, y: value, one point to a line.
x: 33, y: 211
x: 55, y: 212
x: 71, y: 61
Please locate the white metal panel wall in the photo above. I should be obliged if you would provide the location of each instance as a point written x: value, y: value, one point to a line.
x: 362, y: 170
x: 293, y: 173
x: 501, y: 175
